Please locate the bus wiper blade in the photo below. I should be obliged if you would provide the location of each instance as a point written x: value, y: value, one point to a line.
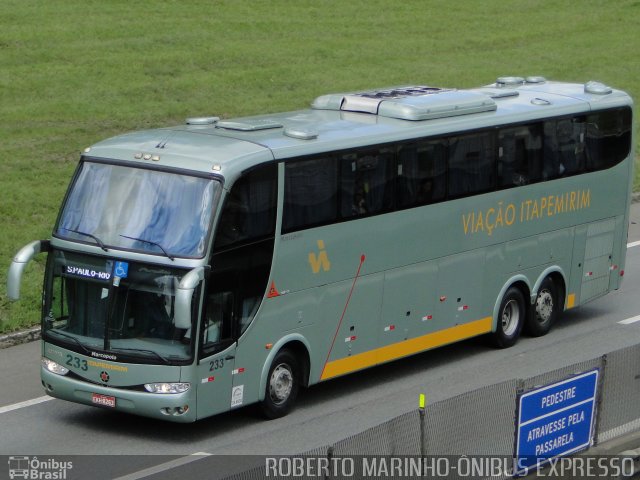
x: 80, y: 344
x: 98, y: 241
x: 165, y: 360
x: 150, y: 243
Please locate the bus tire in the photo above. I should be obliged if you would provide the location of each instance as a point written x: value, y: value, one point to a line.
x: 546, y: 309
x: 283, y: 383
x: 511, y: 318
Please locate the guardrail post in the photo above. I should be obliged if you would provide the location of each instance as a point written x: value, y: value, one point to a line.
x: 423, y: 439
x: 599, y: 392
x: 329, y: 457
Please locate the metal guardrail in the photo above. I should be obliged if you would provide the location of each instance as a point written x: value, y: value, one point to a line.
x: 483, y: 422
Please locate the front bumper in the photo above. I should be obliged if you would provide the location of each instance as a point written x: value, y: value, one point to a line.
x: 154, y: 405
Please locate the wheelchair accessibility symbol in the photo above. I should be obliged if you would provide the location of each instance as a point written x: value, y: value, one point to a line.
x: 121, y: 269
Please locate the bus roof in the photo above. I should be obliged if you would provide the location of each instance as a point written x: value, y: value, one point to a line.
x: 355, y: 119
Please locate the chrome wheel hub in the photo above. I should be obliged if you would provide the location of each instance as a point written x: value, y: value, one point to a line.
x: 280, y: 383
x: 510, y: 317
x: 544, y: 306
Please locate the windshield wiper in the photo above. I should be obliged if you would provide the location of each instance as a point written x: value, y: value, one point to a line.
x: 151, y: 243
x: 80, y: 344
x: 98, y: 241
x: 165, y: 360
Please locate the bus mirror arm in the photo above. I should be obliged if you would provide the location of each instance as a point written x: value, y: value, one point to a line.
x: 184, y: 294
x: 19, y: 263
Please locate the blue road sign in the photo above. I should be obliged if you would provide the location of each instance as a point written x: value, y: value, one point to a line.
x: 555, y: 420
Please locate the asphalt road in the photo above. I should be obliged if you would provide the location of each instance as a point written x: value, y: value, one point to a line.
x: 325, y: 413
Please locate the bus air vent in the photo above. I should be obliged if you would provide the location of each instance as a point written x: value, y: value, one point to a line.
x: 202, y: 120
x: 535, y: 79
x: 499, y: 92
x: 301, y: 133
x: 597, y: 88
x: 249, y: 125
x: 409, y: 103
x: 503, y: 82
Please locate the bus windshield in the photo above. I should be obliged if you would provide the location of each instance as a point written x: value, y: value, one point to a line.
x: 139, y: 209
x: 87, y: 308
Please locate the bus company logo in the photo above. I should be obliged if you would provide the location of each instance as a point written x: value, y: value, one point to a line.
x: 104, y: 376
x: 321, y: 260
x: 34, y: 468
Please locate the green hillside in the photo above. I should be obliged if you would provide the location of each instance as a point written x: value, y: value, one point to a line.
x: 74, y: 72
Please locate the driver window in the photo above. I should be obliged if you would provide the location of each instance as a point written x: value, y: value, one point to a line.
x: 218, y: 313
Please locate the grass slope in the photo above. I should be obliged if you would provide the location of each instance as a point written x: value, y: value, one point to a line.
x: 73, y: 72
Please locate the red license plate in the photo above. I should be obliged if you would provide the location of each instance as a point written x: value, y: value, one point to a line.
x: 104, y: 400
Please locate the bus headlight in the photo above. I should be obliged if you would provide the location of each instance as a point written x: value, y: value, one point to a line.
x: 54, y: 367
x: 167, y: 387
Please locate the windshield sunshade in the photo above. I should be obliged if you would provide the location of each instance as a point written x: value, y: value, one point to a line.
x: 138, y: 209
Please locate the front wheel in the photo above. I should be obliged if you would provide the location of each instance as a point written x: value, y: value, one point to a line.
x: 546, y: 309
x: 511, y: 316
x: 282, y: 387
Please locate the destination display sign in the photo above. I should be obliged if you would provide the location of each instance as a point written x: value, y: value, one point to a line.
x: 102, y: 273
x: 555, y: 420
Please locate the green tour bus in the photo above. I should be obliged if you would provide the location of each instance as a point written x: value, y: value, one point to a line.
x: 203, y: 267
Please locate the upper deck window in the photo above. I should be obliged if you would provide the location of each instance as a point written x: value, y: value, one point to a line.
x: 139, y: 209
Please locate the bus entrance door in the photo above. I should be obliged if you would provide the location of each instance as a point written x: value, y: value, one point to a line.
x: 217, y: 355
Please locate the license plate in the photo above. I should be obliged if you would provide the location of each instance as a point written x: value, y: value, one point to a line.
x: 104, y: 400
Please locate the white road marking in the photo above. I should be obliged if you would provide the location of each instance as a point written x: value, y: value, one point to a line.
x: 26, y: 403
x: 629, y: 321
x: 633, y: 244
x: 178, y: 462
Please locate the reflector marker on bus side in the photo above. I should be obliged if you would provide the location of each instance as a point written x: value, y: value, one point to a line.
x: 237, y: 371
x: 463, y: 307
x: 427, y: 317
x: 208, y: 379
x: 389, y: 328
x: 588, y: 274
x: 350, y: 339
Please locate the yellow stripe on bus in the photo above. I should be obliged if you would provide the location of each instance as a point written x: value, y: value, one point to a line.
x: 406, y: 347
x: 571, y: 300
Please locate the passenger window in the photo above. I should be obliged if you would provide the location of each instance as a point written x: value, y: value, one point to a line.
x: 471, y: 164
x: 519, y: 155
x: 366, y: 182
x: 564, y: 147
x: 250, y: 209
x: 608, y: 138
x: 310, y: 193
x: 421, y: 174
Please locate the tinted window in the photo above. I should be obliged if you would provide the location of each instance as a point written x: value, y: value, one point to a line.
x: 471, y: 164
x: 564, y: 147
x: 421, y: 174
x: 249, y: 211
x: 519, y: 155
x: 311, y: 193
x: 366, y: 184
x: 608, y: 138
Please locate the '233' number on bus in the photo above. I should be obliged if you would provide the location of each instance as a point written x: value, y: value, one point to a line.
x: 76, y: 362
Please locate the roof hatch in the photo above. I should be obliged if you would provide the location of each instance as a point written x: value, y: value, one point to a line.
x: 408, y: 103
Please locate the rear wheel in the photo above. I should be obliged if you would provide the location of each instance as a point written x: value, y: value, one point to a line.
x: 511, y: 317
x: 282, y: 386
x: 547, y: 309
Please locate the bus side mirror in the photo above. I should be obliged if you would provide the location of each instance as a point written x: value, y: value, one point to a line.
x: 19, y: 263
x: 184, y: 294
